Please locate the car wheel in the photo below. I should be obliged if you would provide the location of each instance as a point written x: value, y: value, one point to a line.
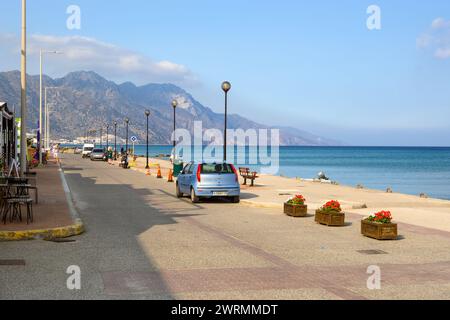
x: 236, y: 199
x: 179, y: 193
x: 194, y: 197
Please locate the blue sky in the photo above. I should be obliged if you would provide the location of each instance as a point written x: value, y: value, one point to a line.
x: 313, y: 65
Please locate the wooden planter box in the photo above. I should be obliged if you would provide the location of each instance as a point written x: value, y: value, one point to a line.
x: 331, y: 220
x: 379, y: 231
x: 295, y: 210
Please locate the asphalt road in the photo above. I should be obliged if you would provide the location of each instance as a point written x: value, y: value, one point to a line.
x: 144, y: 243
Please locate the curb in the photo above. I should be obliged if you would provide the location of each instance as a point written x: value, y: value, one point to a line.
x: 63, y: 232
x: 274, y: 205
x: 271, y: 205
x: 55, y: 233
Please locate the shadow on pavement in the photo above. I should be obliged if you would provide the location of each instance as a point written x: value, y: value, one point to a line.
x: 115, y: 216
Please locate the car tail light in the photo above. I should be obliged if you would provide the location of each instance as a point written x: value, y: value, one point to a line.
x: 235, y: 172
x: 199, y: 173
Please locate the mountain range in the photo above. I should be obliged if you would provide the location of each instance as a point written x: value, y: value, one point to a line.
x: 84, y: 100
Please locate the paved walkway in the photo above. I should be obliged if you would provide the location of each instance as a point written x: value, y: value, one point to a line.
x: 52, y: 210
x: 144, y: 243
x: 273, y: 191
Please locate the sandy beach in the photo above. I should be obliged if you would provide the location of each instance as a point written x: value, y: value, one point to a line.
x: 272, y: 191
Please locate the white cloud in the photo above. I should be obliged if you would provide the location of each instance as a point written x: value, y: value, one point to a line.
x: 443, y: 53
x: 437, y: 38
x: 84, y: 53
x: 440, y: 23
x: 424, y: 41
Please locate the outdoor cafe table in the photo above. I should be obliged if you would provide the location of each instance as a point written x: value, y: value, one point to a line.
x: 16, y: 180
x: 21, y: 189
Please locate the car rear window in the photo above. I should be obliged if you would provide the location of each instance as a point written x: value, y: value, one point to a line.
x: 216, y: 168
x: 98, y: 150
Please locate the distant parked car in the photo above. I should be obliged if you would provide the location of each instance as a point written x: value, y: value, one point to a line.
x: 98, y: 154
x: 78, y: 150
x: 209, y: 180
x: 87, y: 149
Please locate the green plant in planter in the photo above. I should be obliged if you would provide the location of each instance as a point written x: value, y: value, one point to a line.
x: 330, y: 214
x: 331, y: 207
x: 379, y: 226
x: 298, y: 200
x: 296, y: 206
x: 383, y: 217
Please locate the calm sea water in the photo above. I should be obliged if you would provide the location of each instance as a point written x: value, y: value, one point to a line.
x: 407, y: 170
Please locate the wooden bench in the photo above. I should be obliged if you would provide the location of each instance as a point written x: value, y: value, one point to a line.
x: 246, y: 174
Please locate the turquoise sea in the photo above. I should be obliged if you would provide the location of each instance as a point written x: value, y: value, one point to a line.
x: 410, y: 170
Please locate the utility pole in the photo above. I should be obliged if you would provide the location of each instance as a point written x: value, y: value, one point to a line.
x: 23, y: 93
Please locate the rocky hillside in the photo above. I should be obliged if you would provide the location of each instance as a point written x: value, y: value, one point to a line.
x: 85, y: 100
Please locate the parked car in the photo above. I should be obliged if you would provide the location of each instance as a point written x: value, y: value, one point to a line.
x: 98, y: 154
x: 78, y: 150
x: 209, y: 180
x: 87, y: 149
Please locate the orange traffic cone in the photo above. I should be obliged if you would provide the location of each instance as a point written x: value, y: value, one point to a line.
x: 159, y: 173
x: 170, y: 179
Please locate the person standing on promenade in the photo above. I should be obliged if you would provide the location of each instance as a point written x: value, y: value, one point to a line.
x: 55, y: 151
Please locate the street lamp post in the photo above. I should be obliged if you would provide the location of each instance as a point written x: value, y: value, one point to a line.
x: 46, y: 135
x: 174, y: 105
x: 147, y: 114
x: 41, y: 53
x: 23, y: 92
x: 127, y: 122
x: 226, y: 86
x: 101, y: 137
x: 115, y: 140
x: 107, y: 138
x: 48, y: 125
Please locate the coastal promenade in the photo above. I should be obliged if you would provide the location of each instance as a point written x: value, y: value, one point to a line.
x: 141, y: 242
x: 272, y: 191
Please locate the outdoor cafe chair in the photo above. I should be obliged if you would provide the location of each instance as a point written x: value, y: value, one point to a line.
x: 14, y: 209
x: 12, y: 202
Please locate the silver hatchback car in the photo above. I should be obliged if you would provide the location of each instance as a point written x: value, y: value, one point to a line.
x: 98, y: 154
x: 209, y: 180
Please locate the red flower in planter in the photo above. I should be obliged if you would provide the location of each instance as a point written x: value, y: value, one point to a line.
x: 298, y: 200
x: 331, y: 206
x: 381, y: 217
